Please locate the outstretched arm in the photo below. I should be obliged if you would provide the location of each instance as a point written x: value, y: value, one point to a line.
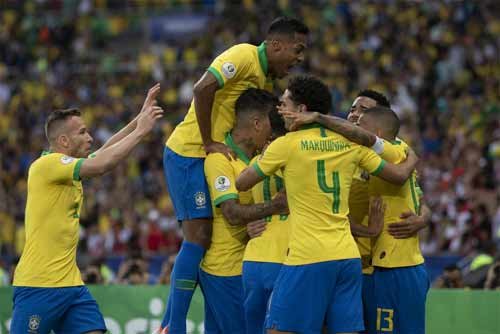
x: 247, y: 179
x: 109, y: 157
x: 398, y: 174
x: 127, y: 129
x: 341, y: 126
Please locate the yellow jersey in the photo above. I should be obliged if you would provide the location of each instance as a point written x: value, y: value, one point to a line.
x: 55, y: 197
x: 387, y: 251
x: 225, y: 255
x: 318, y: 166
x: 359, y: 204
x: 240, y: 67
x: 272, y: 245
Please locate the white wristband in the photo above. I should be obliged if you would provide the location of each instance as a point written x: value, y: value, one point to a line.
x: 378, y: 147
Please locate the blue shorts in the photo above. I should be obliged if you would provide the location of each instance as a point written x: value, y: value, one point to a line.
x: 306, y: 297
x: 187, y: 186
x: 369, y: 309
x: 258, y: 282
x: 400, y: 295
x: 63, y: 310
x: 223, y: 304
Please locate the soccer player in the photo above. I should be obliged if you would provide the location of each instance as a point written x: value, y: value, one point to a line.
x: 49, y: 293
x: 265, y: 252
x: 398, y: 262
x: 210, y: 117
x: 221, y: 268
x: 359, y: 197
x: 321, y: 276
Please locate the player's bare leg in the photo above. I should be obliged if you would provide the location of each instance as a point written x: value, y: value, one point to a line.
x: 198, y: 231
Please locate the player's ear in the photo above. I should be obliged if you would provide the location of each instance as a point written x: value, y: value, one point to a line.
x: 63, y: 140
x: 275, y: 45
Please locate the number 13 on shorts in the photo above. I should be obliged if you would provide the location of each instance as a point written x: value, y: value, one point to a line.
x: 384, y: 319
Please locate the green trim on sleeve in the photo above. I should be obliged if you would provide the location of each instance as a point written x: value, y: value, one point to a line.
x: 258, y: 170
x: 76, y: 171
x: 217, y: 76
x: 224, y: 198
x: 379, y: 168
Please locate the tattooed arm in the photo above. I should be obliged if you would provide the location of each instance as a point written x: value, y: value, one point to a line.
x: 240, y: 214
x: 341, y: 126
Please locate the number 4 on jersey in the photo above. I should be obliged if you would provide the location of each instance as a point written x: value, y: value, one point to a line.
x: 334, y: 189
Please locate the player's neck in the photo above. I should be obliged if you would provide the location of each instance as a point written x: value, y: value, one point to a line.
x: 57, y: 149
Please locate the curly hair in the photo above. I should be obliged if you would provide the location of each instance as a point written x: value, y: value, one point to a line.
x: 310, y: 91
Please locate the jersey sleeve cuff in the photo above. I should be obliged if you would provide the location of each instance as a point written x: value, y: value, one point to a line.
x: 76, y: 171
x: 217, y: 76
x: 259, y: 171
x: 224, y: 198
x: 379, y: 168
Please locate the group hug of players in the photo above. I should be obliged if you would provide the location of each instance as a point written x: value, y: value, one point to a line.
x: 294, y: 221
x: 315, y: 233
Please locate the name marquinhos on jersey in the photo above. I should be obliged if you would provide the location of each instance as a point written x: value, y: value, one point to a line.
x: 324, y: 145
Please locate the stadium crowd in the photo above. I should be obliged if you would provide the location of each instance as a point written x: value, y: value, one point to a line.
x: 439, y: 63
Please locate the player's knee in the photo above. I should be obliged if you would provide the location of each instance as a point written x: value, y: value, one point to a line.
x: 198, y: 231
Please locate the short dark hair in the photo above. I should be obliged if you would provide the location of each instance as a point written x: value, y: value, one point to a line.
x: 255, y: 100
x: 386, y: 118
x: 287, y: 26
x: 312, y: 92
x: 380, y: 98
x: 56, y: 118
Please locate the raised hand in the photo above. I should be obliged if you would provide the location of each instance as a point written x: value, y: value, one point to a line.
x: 376, y: 215
x: 150, y: 100
x: 148, y: 118
x: 409, y: 227
x: 297, y: 119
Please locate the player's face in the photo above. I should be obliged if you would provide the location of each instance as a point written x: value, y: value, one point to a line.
x: 263, y: 131
x: 364, y: 122
x: 80, y: 140
x: 360, y: 104
x: 290, y: 54
x: 287, y: 104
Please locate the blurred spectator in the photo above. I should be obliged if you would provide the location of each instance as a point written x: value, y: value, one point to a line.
x: 92, y: 275
x: 451, y: 279
x: 133, y: 270
x: 441, y: 73
x: 493, y: 276
x: 4, y: 274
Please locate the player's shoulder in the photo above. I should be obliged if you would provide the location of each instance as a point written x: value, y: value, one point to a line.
x: 48, y: 159
x: 213, y: 158
x: 243, y: 47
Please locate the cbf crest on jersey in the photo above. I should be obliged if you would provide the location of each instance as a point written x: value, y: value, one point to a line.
x: 34, y: 323
x: 222, y: 183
